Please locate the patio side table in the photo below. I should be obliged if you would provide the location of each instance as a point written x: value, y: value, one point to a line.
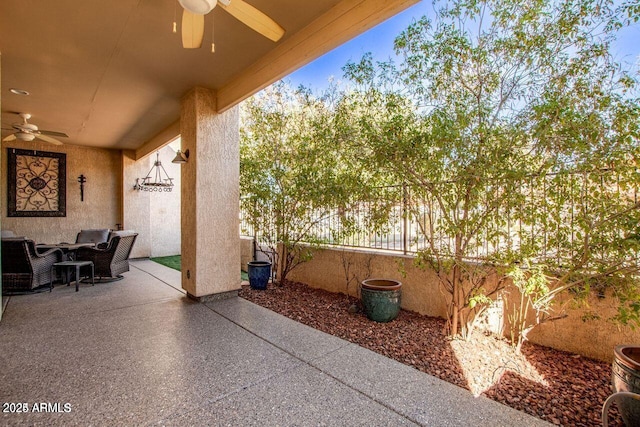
x: 67, y: 269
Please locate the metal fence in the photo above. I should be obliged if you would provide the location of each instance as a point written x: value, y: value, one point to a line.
x: 549, y: 213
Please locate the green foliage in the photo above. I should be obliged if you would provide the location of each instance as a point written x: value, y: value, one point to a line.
x: 479, y: 297
x: 496, y: 112
x: 629, y: 308
x: 401, y: 267
x: 492, y: 109
x: 295, y: 174
x: 533, y: 302
x: 531, y: 283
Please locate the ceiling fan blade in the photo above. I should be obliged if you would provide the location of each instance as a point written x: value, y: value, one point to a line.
x: 192, y: 30
x: 254, y: 19
x: 48, y: 139
x: 53, y: 133
x: 11, y: 137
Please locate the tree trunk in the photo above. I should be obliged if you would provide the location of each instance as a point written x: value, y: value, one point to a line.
x: 457, y: 297
x: 455, y: 301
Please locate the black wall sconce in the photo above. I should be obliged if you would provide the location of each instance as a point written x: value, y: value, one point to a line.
x: 181, y: 157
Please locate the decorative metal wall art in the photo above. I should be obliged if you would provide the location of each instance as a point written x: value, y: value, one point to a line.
x: 37, y: 183
x: 82, y: 180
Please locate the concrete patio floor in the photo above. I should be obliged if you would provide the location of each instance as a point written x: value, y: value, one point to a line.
x: 138, y: 352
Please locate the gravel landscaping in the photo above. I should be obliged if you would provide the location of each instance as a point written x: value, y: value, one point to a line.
x: 559, y: 387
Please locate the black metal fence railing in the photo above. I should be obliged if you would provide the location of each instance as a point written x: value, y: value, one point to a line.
x: 549, y: 213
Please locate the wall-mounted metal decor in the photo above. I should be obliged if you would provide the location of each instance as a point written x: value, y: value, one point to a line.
x: 82, y: 180
x: 37, y: 183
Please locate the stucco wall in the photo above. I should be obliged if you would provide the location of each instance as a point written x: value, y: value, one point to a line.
x: 164, y: 210
x: 109, y: 199
x: 593, y: 338
x: 421, y: 293
x: 210, y: 210
x: 330, y: 268
x: 246, y: 252
x: 101, y: 207
x: 155, y: 216
x: 136, y: 205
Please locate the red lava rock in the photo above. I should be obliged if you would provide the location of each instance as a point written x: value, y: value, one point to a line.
x: 577, y: 386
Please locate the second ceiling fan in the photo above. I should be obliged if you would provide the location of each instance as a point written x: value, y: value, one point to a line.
x: 26, y: 131
x: 195, y: 10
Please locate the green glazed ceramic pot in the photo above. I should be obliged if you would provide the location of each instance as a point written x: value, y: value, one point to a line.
x: 381, y: 299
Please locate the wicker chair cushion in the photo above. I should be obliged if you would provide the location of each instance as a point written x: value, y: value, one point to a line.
x: 98, y: 235
x: 121, y: 233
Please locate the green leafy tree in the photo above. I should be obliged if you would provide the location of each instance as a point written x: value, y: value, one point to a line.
x: 294, y: 175
x: 487, y: 100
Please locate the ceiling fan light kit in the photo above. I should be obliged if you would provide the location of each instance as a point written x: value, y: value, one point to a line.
x: 23, y: 136
x: 199, y: 7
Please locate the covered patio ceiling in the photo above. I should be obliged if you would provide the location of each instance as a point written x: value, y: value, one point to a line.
x: 111, y: 74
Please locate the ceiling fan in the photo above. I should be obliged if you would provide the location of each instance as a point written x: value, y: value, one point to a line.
x: 26, y: 131
x: 195, y: 10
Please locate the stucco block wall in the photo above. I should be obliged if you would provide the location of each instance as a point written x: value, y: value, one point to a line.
x: 421, y: 293
x: 246, y: 252
x: 328, y: 270
x: 594, y: 338
x: 101, y: 207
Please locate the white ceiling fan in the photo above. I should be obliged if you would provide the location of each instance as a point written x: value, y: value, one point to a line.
x: 195, y: 10
x: 26, y: 131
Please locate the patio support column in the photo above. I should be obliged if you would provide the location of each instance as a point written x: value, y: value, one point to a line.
x: 210, y: 197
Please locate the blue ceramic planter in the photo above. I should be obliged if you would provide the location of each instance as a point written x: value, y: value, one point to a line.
x: 259, y: 273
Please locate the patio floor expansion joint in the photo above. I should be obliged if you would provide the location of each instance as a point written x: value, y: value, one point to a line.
x: 182, y: 291
x: 233, y: 392
x: 311, y: 365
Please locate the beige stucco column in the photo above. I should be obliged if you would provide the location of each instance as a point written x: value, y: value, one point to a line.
x: 210, y: 197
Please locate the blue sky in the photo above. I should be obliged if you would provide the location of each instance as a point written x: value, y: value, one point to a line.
x: 379, y: 41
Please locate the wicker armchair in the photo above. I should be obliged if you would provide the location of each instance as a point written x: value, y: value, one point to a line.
x: 97, y: 235
x: 23, y: 268
x: 112, y: 260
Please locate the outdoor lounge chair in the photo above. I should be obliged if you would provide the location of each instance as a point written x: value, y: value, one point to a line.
x: 112, y: 259
x: 23, y: 267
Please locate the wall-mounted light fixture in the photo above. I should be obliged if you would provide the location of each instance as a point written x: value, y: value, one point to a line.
x: 181, y: 157
x: 200, y: 7
x: 25, y: 136
x: 154, y: 181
